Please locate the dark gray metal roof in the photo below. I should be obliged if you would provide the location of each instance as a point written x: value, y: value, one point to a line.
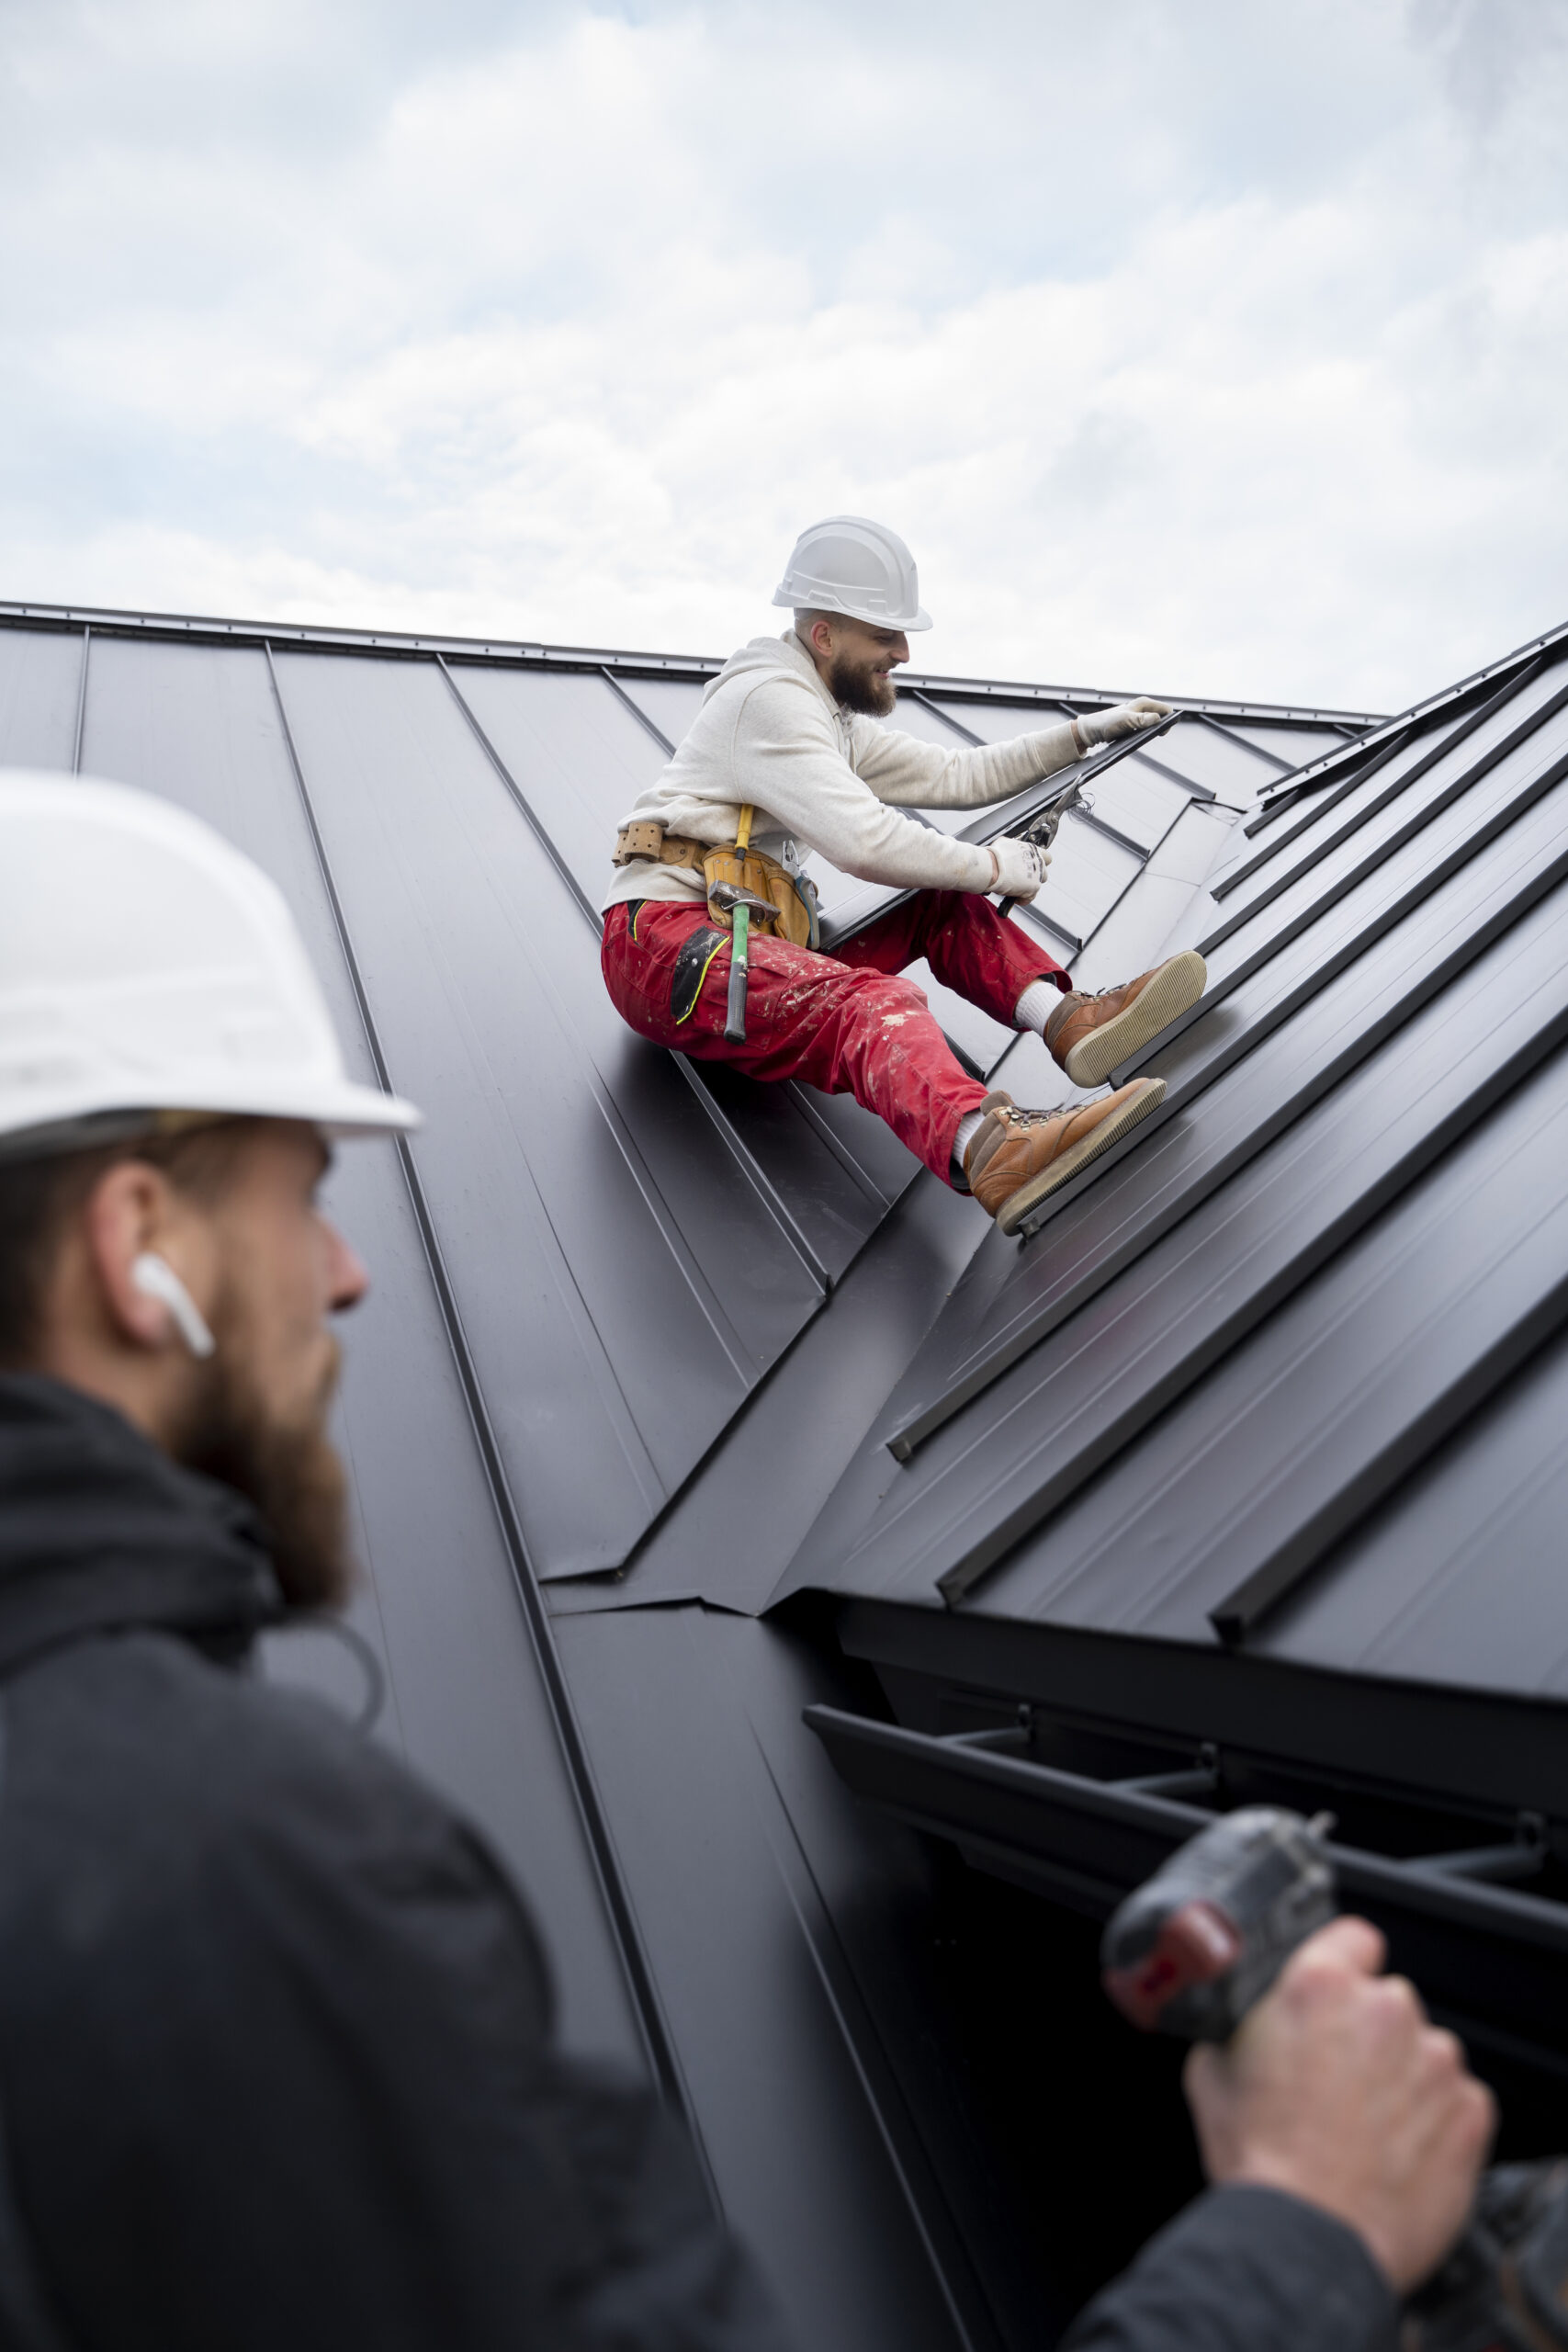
x: 1278, y: 1376
x: 669, y: 1382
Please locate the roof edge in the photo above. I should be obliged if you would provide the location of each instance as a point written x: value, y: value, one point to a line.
x: 527, y: 653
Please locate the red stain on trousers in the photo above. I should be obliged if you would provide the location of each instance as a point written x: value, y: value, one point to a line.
x: 845, y: 1023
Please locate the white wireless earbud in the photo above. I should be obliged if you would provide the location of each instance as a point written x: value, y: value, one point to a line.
x: 156, y: 1278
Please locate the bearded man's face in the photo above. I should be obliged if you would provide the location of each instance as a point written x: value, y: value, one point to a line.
x: 258, y: 1408
x: 860, y: 667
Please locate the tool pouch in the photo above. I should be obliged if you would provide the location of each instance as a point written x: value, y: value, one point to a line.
x: 691, y: 969
x: 645, y: 839
x: 795, y: 904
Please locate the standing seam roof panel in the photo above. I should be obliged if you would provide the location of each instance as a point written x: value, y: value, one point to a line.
x: 199, y: 726
x: 1256, y: 1473
x: 1148, y: 1337
x: 41, y: 681
x: 1458, y: 752
x: 1004, y: 1308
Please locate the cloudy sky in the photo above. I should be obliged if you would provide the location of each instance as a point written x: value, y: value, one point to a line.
x: 1222, y: 348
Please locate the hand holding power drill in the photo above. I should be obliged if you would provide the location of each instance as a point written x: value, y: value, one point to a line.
x: 1338, y: 2090
x: 1319, y: 2076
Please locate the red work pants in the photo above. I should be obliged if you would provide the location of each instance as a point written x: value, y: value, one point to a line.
x: 844, y: 1022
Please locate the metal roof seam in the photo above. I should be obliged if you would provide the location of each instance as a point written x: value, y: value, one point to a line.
x: 744, y: 1361
x: 858, y: 1174
x: 757, y: 1175
x: 1277, y: 1578
x: 1545, y: 642
x: 1144, y: 857
x: 540, y: 831
x: 1449, y: 741
x: 1517, y: 806
x: 1234, y: 734
x: 1174, y: 776
x: 1311, y: 806
x: 964, y: 734
x: 81, y: 704
x: 1123, y: 840
x: 1384, y: 918
x: 638, y: 712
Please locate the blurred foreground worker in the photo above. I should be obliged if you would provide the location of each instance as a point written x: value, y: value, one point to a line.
x: 786, y: 756
x: 276, y: 2063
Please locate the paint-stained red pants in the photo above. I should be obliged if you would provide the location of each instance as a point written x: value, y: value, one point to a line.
x: 844, y: 1022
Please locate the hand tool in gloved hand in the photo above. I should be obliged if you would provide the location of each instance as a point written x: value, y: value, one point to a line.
x: 1190, y: 1951
x: 1042, y: 831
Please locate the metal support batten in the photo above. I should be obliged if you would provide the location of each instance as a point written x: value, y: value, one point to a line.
x: 80, y: 727
x: 1095, y: 1839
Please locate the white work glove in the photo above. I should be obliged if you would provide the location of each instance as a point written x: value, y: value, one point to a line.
x: 1126, y: 718
x: 1020, y: 867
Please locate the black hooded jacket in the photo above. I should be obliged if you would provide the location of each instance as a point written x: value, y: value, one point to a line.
x: 275, y: 2055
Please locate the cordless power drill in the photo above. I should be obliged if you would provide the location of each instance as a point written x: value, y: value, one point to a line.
x: 1191, y: 1949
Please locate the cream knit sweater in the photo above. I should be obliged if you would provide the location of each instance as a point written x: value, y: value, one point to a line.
x: 825, y: 779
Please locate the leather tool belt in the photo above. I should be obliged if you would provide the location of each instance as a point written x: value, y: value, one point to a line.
x: 793, y: 898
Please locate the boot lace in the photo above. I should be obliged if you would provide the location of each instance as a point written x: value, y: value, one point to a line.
x: 1018, y: 1117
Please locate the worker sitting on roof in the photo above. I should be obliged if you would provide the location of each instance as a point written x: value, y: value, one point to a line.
x: 786, y: 756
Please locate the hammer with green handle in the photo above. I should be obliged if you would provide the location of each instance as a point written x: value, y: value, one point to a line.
x: 740, y: 906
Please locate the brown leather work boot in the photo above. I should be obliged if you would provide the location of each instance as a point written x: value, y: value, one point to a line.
x: 1093, y: 1035
x: 1017, y: 1156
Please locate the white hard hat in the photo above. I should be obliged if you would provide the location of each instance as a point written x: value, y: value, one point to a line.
x: 148, y: 968
x: 863, y: 569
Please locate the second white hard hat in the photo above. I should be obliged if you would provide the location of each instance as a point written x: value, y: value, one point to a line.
x: 855, y: 567
x: 147, y: 969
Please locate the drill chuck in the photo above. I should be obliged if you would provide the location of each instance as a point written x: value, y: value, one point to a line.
x: 1191, y: 1949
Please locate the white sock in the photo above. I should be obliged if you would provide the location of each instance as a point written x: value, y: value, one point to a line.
x: 968, y: 1128
x: 1036, y: 1005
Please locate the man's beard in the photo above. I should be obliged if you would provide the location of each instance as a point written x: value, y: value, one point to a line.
x: 858, y: 686
x: 290, y: 1471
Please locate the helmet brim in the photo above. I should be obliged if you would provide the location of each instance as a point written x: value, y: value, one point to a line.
x: 339, y: 1109
x: 916, y: 621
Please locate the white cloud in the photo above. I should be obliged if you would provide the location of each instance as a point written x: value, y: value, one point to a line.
x: 1192, y: 346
